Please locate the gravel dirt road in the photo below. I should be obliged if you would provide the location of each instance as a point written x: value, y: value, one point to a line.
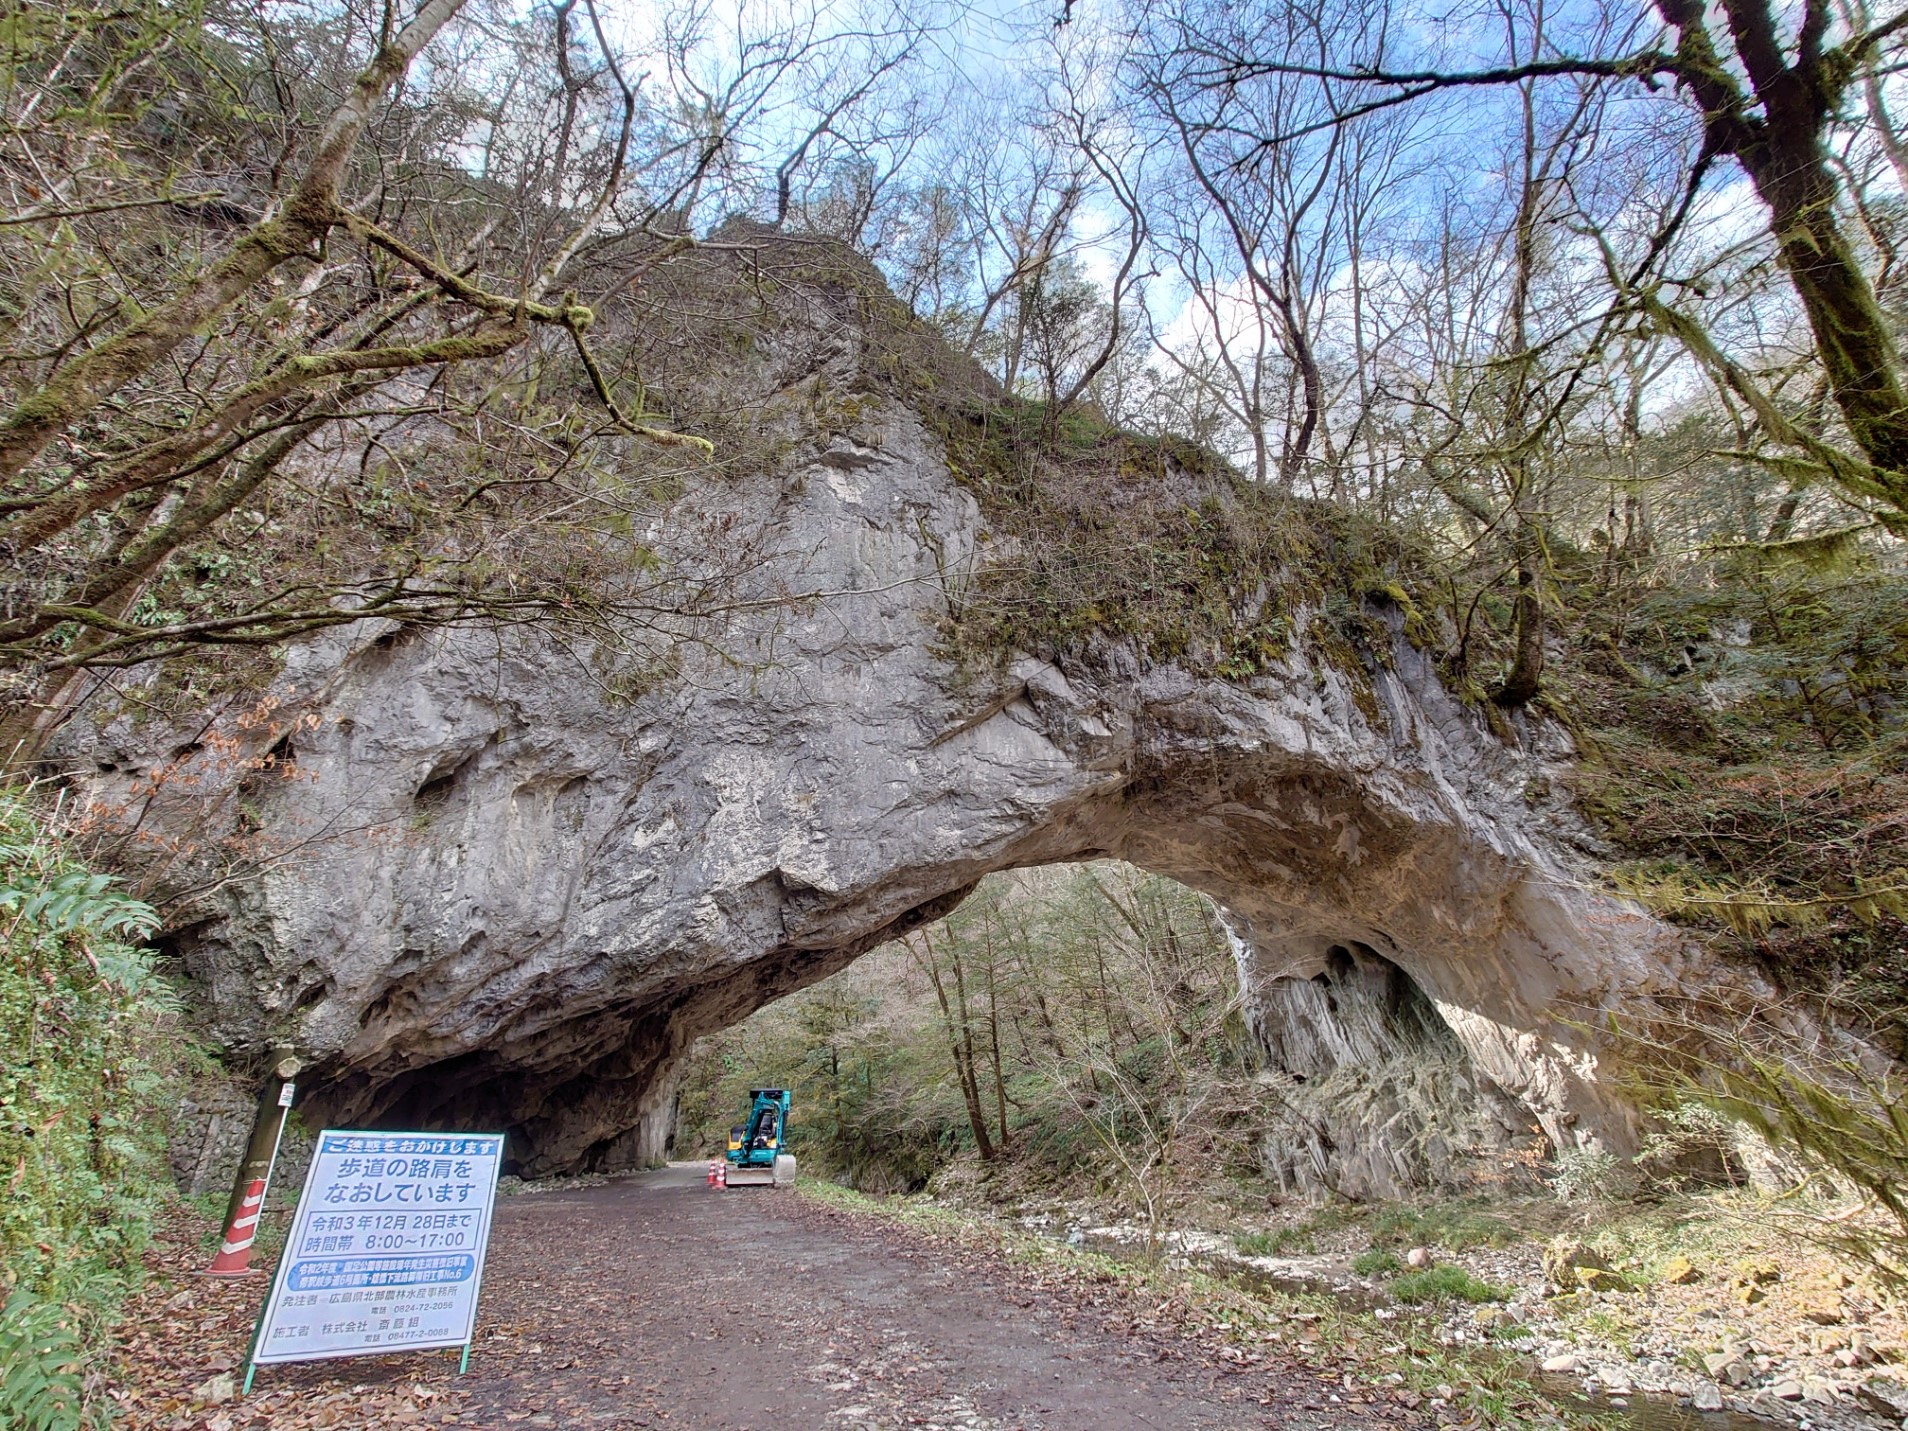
x: 655, y: 1301
x: 658, y: 1301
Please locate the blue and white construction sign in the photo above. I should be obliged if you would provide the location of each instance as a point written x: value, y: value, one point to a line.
x: 386, y: 1250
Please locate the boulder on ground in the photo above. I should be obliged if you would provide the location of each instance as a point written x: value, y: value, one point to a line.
x: 1680, y: 1272
x: 1756, y: 1272
x: 1885, y: 1395
x: 215, y: 1390
x: 1566, y: 1260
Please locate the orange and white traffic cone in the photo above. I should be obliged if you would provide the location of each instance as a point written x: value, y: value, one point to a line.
x: 255, y: 1172
x: 713, y: 1176
x: 235, y: 1252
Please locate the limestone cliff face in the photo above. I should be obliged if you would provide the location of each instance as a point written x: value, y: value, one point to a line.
x: 505, y: 892
x: 1368, y: 1091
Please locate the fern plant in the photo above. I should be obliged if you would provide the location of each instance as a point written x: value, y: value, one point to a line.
x: 72, y: 901
x: 41, y: 1355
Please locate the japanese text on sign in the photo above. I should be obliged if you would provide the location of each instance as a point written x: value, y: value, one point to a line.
x: 386, y: 1249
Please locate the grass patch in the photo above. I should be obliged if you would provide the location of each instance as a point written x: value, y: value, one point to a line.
x: 1280, y: 1242
x: 1446, y: 1284
x: 1377, y: 1262
x: 1454, y: 1226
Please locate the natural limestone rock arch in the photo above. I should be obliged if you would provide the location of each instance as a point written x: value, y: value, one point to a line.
x: 509, y: 898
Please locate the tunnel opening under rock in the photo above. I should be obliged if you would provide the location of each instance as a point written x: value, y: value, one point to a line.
x: 1082, y: 1023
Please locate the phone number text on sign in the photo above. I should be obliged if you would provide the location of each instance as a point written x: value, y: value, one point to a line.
x: 386, y: 1249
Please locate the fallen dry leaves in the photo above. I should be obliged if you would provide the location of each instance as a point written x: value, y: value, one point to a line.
x: 181, y: 1359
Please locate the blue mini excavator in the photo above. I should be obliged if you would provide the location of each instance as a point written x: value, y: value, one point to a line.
x: 759, y: 1158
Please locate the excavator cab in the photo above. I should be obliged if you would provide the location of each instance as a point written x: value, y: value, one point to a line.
x: 759, y: 1157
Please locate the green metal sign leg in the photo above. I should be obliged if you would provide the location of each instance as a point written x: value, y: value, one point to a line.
x: 463, y: 1362
x: 258, y: 1328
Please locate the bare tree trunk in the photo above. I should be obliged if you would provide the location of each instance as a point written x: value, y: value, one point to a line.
x: 993, y: 1040
x: 1525, y: 677
x: 960, y: 1046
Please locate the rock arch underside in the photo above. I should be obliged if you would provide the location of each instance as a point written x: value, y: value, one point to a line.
x: 504, y: 891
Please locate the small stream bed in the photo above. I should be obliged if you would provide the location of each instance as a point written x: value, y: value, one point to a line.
x: 1648, y: 1411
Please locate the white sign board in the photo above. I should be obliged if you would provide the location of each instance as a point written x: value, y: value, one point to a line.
x: 386, y: 1250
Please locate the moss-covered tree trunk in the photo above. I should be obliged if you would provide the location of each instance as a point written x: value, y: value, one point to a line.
x: 1776, y: 129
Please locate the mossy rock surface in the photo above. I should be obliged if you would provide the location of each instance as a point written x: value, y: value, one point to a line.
x: 1096, y: 536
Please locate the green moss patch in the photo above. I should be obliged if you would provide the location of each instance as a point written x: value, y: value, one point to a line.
x: 1446, y: 1284
x: 1094, y: 534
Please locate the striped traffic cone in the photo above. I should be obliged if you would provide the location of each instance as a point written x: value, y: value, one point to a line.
x: 235, y: 1252
x: 714, y: 1178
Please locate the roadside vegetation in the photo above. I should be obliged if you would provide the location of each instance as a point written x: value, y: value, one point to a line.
x: 91, y: 1048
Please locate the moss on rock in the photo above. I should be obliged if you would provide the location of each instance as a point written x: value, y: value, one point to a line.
x: 1094, y: 534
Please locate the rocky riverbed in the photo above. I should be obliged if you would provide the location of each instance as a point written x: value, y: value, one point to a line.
x: 1695, y: 1315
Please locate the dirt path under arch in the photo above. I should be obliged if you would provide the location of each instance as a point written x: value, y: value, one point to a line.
x: 666, y: 1303
x: 657, y: 1302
